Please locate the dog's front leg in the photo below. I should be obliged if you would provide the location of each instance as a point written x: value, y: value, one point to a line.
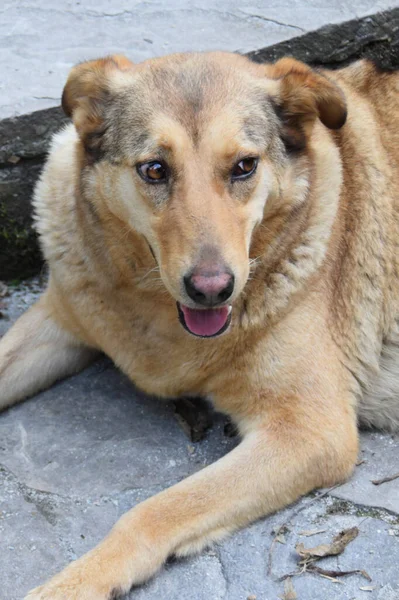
x: 36, y: 352
x: 279, y: 459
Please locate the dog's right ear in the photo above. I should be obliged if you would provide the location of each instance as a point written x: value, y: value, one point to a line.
x: 86, y: 93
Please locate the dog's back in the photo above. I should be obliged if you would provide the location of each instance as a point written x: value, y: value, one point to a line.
x: 366, y: 282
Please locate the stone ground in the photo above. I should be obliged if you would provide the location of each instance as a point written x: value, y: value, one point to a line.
x: 77, y: 456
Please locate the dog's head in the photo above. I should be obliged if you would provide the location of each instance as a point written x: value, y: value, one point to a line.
x: 189, y: 151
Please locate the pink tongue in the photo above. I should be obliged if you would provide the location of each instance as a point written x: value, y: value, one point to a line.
x: 205, y: 322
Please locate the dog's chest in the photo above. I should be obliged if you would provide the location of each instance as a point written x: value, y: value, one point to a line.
x: 379, y: 405
x: 149, y: 344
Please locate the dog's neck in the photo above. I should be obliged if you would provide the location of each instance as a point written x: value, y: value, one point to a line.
x: 300, y: 243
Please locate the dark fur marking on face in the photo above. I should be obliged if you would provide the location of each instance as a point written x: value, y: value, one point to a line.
x: 187, y: 92
x: 291, y: 131
x: 193, y: 90
x: 261, y: 125
x: 256, y: 130
x: 151, y: 250
x: 116, y: 594
x: 92, y: 143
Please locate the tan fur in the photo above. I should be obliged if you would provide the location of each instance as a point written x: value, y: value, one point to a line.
x: 311, y: 239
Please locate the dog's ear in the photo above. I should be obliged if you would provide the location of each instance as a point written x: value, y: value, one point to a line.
x: 86, y: 93
x: 303, y: 95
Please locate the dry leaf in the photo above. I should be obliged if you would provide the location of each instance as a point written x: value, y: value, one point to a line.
x: 309, y: 556
x: 337, y: 546
x: 281, y: 529
x: 193, y: 417
x: 289, y: 591
x: 333, y: 574
x: 14, y: 159
x: 333, y: 579
x: 310, y: 532
x: 385, y: 479
x: 3, y: 289
x: 281, y: 538
x: 367, y: 588
x: 317, y: 551
x: 279, y: 534
x: 365, y: 574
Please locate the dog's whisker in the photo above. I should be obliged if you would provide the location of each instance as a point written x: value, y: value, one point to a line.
x: 154, y: 269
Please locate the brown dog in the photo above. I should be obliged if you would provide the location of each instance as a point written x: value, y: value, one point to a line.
x: 217, y: 229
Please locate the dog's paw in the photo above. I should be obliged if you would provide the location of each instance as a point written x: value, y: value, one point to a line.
x: 62, y: 592
x: 71, y: 584
x: 55, y: 592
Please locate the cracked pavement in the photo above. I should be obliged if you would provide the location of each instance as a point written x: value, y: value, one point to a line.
x: 77, y: 456
x: 40, y: 42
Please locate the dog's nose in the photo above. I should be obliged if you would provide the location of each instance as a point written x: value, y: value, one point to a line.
x: 209, y: 288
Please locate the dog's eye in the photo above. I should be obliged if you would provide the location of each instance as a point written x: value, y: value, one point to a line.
x: 245, y: 168
x: 153, y: 172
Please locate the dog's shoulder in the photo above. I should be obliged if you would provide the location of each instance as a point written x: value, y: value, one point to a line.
x: 55, y: 192
x: 365, y: 78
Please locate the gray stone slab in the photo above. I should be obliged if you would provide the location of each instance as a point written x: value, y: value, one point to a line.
x: 201, y: 578
x: 381, y: 455
x: 41, y: 532
x: 388, y: 593
x: 113, y: 438
x: 16, y: 299
x: 41, y: 41
x: 22, y: 527
x: 245, y: 556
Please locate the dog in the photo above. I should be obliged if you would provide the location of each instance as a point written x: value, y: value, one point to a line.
x: 228, y: 230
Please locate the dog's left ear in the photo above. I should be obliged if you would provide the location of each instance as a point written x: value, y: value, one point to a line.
x: 87, y: 92
x: 305, y: 94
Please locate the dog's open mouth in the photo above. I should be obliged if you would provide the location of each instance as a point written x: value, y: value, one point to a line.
x: 204, y: 322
